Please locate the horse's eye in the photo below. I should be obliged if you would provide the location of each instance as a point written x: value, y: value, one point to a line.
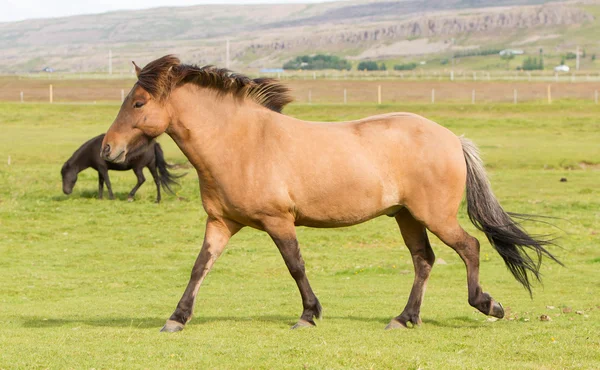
x: 138, y: 104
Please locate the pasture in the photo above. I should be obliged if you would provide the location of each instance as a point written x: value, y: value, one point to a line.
x: 86, y: 283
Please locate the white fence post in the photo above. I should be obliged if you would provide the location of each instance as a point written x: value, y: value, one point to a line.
x: 345, y: 96
x: 22, y: 100
x: 515, y: 97
x: 122, y: 95
x: 379, y: 94
x: 50, y: 92
x: 549, y: 95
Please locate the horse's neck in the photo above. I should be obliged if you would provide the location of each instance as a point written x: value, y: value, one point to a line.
x: 203, y: 130
x: 81, y: 159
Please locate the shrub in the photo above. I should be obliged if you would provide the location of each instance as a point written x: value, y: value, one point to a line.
x: 370, y: 66
x: 406, y: 67
x: 476, y: 52
x: 531, y: 64
x: 317, y: 62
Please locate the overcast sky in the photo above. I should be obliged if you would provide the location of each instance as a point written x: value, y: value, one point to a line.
x: 16, y: 10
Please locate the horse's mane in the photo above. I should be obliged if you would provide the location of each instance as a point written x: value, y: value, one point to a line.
x: 162, y: 75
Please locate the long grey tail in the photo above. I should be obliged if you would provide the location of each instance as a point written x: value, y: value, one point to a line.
x: 506, y: 235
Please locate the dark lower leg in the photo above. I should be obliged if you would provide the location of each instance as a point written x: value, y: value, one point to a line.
x: 468, y: 250
x: 218, y: 233
x: 100, y: 186
x: 412, y: 310
x: 204, y: 261
x: 288, y: 247
x: 139, y: 173
x: 415, y: 237
x: 154, y: 173
x: 107, y: 181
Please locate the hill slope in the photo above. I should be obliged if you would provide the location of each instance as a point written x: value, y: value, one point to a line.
x: 266, y: 35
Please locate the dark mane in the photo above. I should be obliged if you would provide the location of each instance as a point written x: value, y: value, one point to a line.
x: 162, y: 75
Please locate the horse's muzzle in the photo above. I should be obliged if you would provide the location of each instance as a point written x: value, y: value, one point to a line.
x: 105, y: 152
x: 108, y: 154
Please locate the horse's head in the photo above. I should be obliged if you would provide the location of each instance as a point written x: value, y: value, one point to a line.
x: 69, y: 178
x: 142, y: 117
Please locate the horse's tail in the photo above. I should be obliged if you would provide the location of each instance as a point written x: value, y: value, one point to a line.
x: 165, y: 177
x: 505, y: 234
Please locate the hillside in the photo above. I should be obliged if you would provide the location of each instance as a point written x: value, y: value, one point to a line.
x: 267, y: 35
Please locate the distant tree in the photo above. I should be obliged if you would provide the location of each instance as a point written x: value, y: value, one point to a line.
x: 444, y: 61
x: 570, y: 55
x: 531, y: 64
x: 562, y: 61
x: 382, y: 67
x: 368, y: 66
x: 508, y: 57
x: 407, y: 66
x: 318, y: 62
x: 593, y: 57
x: 476, y: 52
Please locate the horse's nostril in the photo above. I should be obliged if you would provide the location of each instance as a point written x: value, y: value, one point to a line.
x: 106, y: 149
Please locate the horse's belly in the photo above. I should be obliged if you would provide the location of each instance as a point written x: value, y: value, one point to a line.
x: 346, y: 208
x: 342, y: 220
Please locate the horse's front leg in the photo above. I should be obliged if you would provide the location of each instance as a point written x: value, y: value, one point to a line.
x: 283, y: 233
x: 104, y: 173
x: 100, y: 186
x: 218, y: 233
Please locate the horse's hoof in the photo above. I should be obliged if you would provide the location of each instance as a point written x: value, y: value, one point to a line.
x: 172, y: 326
x: 496, y: 310
x: 130, y: 199
x: 303, y: 324
x: 395, y: 324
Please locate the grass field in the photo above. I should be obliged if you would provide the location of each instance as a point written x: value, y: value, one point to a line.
x: 86, y: 283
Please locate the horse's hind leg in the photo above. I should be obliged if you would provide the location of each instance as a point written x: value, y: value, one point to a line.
x: 467, y: 247
x: 283, y: 233
x: 415, y: 238
x: 139, y: 173
x: 154, y: 172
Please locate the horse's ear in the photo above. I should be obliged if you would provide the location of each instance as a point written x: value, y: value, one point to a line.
x: 137, y: 69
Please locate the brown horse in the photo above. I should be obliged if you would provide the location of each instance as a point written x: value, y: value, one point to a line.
x: 260, y: 168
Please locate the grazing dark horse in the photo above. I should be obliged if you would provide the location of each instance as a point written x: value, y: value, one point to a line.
x: 88, y: 155
x: 262, y: 169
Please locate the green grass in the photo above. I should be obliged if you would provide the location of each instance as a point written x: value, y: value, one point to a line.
x: 87, y: 283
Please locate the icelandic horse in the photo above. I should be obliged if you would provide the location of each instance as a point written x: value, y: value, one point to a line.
x: 263, y: 169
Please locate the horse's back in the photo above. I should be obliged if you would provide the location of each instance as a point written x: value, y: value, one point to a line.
x: 348, y: 172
